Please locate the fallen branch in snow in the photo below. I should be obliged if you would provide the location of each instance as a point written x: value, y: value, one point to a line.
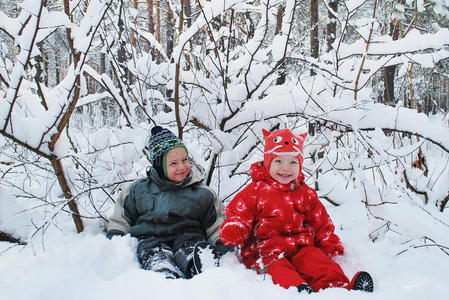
x: 443, y: 248
x: 6, y: 237
x: 443, y: 203
x: 413, y: 189
x: 330, y: 200
x: 382, y: 230
x: 434, y: 244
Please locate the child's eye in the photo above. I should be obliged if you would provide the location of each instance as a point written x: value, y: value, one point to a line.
x: 295, y: 141
x: 278, y: 139
x: 293, y: 162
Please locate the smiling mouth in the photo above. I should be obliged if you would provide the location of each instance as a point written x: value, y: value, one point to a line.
x: 285, y: 175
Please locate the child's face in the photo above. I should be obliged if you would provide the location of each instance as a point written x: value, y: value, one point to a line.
x: 284, y: 168
x: 177, y: 164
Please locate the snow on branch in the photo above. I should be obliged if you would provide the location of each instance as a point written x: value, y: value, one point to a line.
x: 153, y: 42
x: 211, y: 10
x: 10, y: 26
x: 351, y: 115
x: 413, y: 42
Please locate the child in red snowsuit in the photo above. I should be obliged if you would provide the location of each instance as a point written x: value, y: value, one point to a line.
x: 282, y: 226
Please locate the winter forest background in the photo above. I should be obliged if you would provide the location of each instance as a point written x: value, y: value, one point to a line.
x: 83, y: 81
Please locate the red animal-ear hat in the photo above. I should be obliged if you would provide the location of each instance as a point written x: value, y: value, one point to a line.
x: 283, y: 142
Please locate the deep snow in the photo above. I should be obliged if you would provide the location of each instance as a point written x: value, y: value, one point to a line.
x: 60, y: 264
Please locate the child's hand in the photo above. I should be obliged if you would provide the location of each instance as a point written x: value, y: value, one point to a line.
x: 336, y: 253
x: 232, y: 233
x: 333, y: 250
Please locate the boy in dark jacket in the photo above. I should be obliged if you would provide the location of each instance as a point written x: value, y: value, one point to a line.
x: 281, y: 225
x: 171, y: 211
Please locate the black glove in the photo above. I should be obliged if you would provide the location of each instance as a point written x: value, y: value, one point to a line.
x: 221, y: 249
x: 114, y: 232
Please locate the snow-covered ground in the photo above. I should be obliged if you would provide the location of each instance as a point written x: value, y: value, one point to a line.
x: 61, y: 264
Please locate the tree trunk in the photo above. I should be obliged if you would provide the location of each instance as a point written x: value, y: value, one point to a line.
x: 45, y: 65
x: 122, y: 55
x: 150, y: 8
x: 252, y: 26
x: 56, y: 163
x: 388, y: 74
x: 279, y: 17
x: 314, y: 42
x: 390, y: 71
x: 170, y: 31
x: 331, y: 28
x: 57, y: 68
x: 104, y: 102
x: 158, y: 21
x: 133, y: 36
x: 187, y: 12
x: 177, y: 74
x: 282, y: 74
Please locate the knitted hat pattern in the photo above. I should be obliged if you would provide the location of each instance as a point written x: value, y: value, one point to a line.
x: 160, y: 143
x: 283, y: 142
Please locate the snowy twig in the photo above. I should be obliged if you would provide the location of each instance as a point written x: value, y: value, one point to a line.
x: 222, y: 71
x: 413, y: 189
x: 444, y: 203
x: 443, y: 248
x: 246, y: 155
x: 356, y: 89
x: 374, y: 235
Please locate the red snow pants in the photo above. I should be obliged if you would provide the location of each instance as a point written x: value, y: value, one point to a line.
x: 311, y: 266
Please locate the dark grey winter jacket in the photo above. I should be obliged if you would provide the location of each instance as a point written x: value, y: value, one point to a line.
x: 164, y: 210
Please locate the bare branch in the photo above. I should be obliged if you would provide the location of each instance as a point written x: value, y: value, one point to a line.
x: 6, y: 237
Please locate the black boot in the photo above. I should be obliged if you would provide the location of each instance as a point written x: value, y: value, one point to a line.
x: 205, y: 248
x: 305, y: 287
x: 199, y: 248
x: 159, y: 259
x: 363, y: 282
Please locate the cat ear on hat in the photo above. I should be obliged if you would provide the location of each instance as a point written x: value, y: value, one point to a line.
x: 265, y: 133
x: 301, y: 139
x: 303, y: 136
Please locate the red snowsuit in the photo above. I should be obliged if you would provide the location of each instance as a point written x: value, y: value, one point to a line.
x: 285, y: 231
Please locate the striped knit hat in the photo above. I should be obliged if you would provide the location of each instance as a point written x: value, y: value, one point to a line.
x: 160, y: 143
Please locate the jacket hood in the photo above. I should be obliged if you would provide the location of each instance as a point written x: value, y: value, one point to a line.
x: 196, y: 175
x: 259, y: 172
